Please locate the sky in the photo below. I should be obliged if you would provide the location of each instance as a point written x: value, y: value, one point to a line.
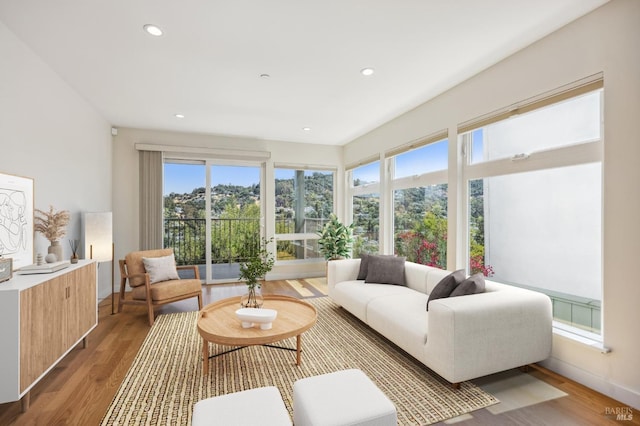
x: 184, y: 178
x: 428, y: 158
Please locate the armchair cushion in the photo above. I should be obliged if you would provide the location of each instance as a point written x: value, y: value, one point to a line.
x: 135, y: 265
x: 165, y: 290
x: 161, y: 268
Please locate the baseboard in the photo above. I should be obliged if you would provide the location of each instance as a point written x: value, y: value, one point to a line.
x: 620, y: 393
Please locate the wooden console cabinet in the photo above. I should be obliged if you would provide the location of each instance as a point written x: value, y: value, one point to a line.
x: 44, y: 316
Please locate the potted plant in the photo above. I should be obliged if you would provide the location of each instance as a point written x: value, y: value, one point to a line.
x: 252, y: 272
x: 336, y: 239
x: 52, y: 225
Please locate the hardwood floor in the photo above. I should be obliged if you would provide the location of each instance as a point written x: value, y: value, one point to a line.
x: 79, y: 389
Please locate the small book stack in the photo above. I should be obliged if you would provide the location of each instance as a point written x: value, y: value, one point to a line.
x: 45, y: 268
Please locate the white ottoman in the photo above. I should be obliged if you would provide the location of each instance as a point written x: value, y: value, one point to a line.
x: 345, y: 397
x: 259, y: 407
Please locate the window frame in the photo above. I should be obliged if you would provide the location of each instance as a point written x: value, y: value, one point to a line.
x: 303, y: 236
x: 366, y: 189
x: 591, y: 151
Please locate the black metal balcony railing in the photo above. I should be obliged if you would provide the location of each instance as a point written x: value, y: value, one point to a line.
x: 232, y: 240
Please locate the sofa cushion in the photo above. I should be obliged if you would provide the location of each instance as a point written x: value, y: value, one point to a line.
x: 354, y: 296
x: 402, y: 319
x: 415, y: 276
x: 162, y: 268
x: 446, y: 285
x: 385, y: 270
x: 472, y: 285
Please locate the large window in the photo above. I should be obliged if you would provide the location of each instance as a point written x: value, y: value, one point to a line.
x: 212, y: 215
x: 535, y: 205
x: 420, y: 204
x: 304, y: 202
x: 365, y: 203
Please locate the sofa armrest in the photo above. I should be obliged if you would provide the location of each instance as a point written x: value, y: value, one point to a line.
x: 342, y: 270
x: 472, y: 336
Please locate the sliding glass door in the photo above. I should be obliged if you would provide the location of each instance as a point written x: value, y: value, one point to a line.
x: 212, y: 215
x: 235, y: 218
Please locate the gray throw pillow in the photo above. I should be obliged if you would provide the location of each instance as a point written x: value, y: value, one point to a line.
x: 364, y: 262
x: 472, y: 285
x: 446, y: 285
x: 385, y: 270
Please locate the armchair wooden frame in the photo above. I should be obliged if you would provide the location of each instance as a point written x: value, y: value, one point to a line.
x: 148, y: 301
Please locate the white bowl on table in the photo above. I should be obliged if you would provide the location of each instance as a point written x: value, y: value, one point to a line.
x: 253, y: 316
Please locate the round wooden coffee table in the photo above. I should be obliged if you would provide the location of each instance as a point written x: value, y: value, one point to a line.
x: 217, y: 323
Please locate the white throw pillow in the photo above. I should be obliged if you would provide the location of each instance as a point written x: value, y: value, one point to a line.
x: 161, y: 268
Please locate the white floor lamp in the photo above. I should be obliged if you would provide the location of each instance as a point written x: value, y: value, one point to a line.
x: 98, y: 242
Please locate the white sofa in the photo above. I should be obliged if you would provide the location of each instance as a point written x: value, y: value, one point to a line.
x: 459, y: 338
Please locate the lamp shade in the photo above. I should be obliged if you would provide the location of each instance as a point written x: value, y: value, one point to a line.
x: 98, y: 236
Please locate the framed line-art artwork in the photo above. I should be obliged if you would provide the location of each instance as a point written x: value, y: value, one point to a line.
x: 16, y: 219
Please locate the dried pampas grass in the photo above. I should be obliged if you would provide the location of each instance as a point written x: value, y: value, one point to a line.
x: 51, y: 224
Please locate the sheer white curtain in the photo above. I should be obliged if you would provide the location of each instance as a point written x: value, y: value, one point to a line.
x: 150, y: 200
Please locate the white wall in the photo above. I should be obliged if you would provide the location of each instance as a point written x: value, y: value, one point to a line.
x: 126, y: 181
x: 608, y: 41
x: 49, y: 133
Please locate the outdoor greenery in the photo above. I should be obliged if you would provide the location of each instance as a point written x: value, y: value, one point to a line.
x: 235, y: 227
x: 420, y: 222
x: 421, y: 225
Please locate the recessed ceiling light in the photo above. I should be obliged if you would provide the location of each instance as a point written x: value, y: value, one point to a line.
x: 264, y: 76
x: 306, y: 129
x: 153, y: 30
x: 366, y: 71
x: 179, y: 115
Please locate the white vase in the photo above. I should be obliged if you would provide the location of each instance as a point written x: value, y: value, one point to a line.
x: 56, y: 249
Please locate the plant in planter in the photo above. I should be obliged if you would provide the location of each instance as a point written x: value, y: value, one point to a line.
x: 336, y: 239
x: 252, y: 271
x: 52, y: 225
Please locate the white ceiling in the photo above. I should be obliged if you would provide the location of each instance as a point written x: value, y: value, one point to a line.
x: 208, y: 63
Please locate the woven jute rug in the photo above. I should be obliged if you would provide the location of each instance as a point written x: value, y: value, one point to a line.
x: 165, y: 380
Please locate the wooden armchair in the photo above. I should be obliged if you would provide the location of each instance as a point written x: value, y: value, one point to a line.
x: 149, y: 293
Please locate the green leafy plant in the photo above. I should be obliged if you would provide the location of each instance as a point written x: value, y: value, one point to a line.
x: 336, y: 239
x: 257, y: 266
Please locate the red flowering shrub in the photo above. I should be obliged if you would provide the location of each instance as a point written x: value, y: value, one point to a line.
x: 416, y: 248
x: 476, y: 264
